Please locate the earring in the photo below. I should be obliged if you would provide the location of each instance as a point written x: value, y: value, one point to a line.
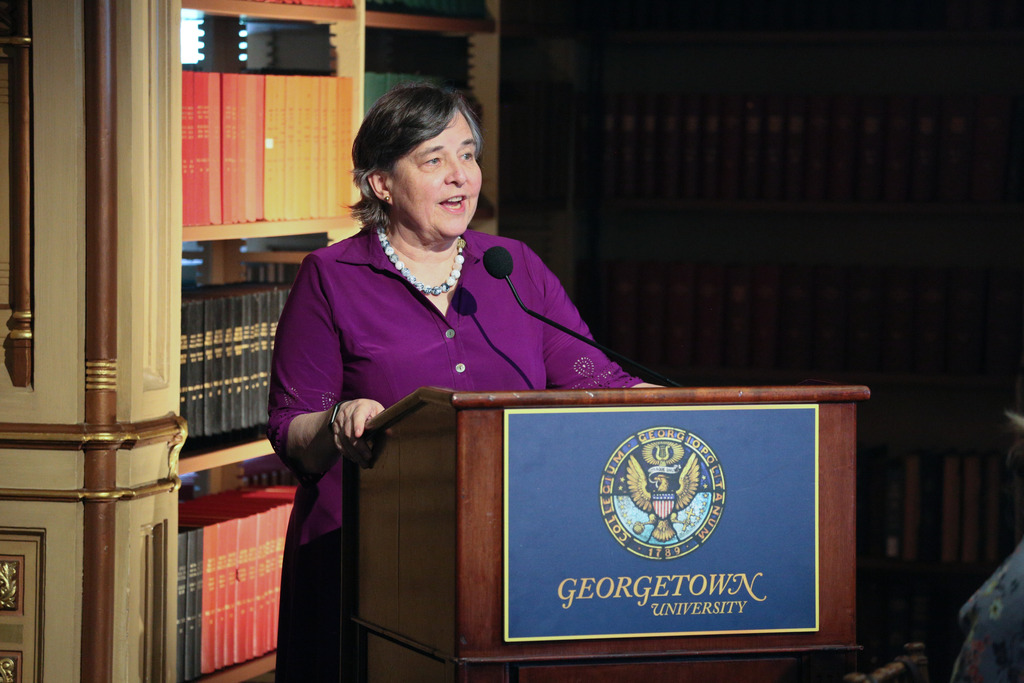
x: 387, y: 198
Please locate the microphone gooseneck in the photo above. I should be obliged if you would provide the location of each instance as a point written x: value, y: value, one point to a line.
x: 498, y: 263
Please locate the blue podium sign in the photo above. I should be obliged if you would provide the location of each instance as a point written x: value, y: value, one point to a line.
x: 628, y: 522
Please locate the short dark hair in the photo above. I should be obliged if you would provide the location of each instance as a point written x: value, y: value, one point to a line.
x: 406, y: 116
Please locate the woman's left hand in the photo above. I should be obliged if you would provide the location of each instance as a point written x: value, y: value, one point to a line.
x: 349, y: 426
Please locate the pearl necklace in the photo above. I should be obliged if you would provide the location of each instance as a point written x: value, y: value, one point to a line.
x: 400, y: 266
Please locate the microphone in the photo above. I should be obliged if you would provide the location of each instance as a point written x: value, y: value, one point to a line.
x: 498, y: 263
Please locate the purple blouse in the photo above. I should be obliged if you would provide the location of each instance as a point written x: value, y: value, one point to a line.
x: 354, y: 328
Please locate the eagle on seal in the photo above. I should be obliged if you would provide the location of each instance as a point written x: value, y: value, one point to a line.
x: 665, y: 487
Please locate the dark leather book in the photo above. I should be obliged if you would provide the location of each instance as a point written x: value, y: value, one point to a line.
x: 709, y: 342
x: 869, y: 149
x: 991, y: 148
x: 731, y: 146
x: 930, y: 326
x: 865, y: 296
x: 681, y: 297
x: 794, y: 153
x: 773, y: 148
x: 843, y: 141
x: 698, y: 140
x: 896, y: 152
x: 924, y: 148
x: 751, y: 149
x: 816, y: 151
x: 710, y: 148
x: 956, y: 137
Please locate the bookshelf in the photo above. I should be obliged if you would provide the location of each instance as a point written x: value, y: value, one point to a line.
x: 645, y: 48
x: 355, y: 41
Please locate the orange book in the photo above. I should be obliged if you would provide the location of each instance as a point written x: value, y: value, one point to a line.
x: 201, y: 145
x: 317, y: 139
x: 251, y: 118
x: 331, y: 147
x: 275, y: 145
x: 298, y: 149
x: 951, y: 497
x: 346, y: 136
x: 231, y: 185
x: 971, y: 504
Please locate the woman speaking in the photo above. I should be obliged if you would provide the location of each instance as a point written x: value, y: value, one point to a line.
x: 404, y: 303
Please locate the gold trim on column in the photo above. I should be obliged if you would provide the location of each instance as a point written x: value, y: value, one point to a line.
x: 8, y: 585
x: 173, y: 430
x: 100, y: 375
x: 8, y: 670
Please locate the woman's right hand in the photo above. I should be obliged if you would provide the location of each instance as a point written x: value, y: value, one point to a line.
x: 349, y: 426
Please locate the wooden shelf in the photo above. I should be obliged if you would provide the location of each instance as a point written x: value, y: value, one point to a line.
x: 414, y: 22
x: 224, y: 456
x: 239, y: 673
x: 237, y: 231
x: 823, y: 37
x: 756, y: 206
x: 251, y: 9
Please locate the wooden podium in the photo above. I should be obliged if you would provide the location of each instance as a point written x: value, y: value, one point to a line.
x: 429, y: 602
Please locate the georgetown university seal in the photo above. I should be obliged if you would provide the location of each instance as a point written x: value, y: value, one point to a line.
x: 662, y: 493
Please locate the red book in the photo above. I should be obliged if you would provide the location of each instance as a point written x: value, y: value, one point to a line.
x: 189, y: 183
x: 991, y: 147
x: 924, y: 148
x: 208, y: 141
x: 956, y: 137
x: 232, y: 192
x: 896, y: 155
x: 731, y: 146
x: 794, y: 147
x: 842, y: 152
x: 816, y: 149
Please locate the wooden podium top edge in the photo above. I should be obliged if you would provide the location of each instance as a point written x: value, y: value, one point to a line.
x: 476, y: 400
